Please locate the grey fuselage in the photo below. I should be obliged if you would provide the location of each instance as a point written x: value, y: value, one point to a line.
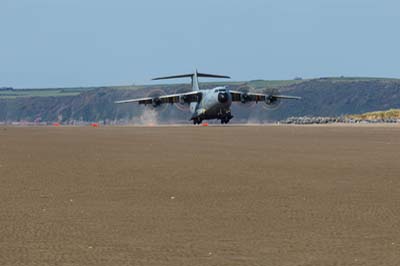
x: 214, y: 104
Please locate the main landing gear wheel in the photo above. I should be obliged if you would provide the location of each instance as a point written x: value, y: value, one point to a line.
x: 225, y: 120
x: 197, y: 121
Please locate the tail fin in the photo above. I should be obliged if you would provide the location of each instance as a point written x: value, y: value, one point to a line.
x: 194, y: 77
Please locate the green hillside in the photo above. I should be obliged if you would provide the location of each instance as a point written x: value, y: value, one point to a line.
x: 254, y: 84
x: 53, y: 92
x: 321, y: 97
x: 377, y: 115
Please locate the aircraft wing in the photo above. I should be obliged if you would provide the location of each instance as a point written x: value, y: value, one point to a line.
x: 238, y: 96
x: 187, y: 97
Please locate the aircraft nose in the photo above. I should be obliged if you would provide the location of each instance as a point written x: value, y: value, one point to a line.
x: 222, y: 97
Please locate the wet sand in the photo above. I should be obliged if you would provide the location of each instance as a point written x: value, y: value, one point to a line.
x: 258, y: 195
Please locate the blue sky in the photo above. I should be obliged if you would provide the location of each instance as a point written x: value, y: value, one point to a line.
x: 53, y: 43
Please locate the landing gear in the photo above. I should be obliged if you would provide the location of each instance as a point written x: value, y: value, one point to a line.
x: 225, y: 116
x: 197, y: 121
x: 225, y: 120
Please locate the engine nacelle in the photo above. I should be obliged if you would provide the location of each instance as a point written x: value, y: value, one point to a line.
x: 272, y: 102
x: 156, y: 102
x: 269, y: 100
x: 223, y: 97
x: 244, y: 97
x: 183, y: 99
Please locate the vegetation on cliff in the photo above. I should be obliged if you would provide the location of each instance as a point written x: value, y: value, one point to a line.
x: 330, y: 97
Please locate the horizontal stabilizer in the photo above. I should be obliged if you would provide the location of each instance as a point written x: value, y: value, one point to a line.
x: 202, y: 75
x: 175, y: 77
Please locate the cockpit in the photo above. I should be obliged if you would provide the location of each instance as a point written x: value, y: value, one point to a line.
x: 220, y: 89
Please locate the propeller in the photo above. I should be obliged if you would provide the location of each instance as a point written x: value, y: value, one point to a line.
x: 271, y: 103
x: 181, y: 106
x: 155, y: 93
x: 245, y: 88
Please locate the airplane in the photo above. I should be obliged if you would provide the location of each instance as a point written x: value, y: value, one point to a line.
x: 211, y: 103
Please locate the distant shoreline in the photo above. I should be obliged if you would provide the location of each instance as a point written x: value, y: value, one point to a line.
x: 371, y: 125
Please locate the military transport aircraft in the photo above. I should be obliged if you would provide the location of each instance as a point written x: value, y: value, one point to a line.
x: 212, y: 103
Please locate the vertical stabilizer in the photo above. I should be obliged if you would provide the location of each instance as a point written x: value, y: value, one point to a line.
x: 195, y: 81
x: 195, y: 78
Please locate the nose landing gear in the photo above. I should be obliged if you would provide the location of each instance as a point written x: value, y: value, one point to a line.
x: 226, y: 118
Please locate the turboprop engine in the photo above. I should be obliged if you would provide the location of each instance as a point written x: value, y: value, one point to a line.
x: 272, y: 102
x: 156, y: 102
x: 223, y: 97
